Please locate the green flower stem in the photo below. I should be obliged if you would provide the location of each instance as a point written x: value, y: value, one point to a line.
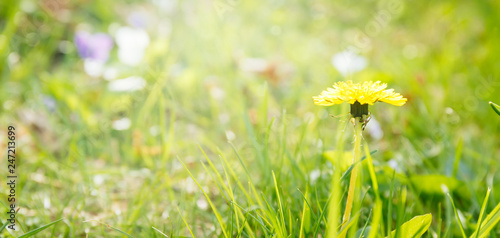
x: 354, y: 172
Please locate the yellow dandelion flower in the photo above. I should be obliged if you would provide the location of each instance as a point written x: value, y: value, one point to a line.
x: 364, y: 93
x: 359, y: 95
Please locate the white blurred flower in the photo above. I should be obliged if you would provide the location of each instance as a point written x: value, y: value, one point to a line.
x: 28, y: 6
x: 139, y: 19
x: 309, y: 117
x: 13, y: 59
x: 38, y: 177
x: 189, y: 186
x: 462, y: 218
x: 93, y: 67
x: 230, y: 135
x: 164, y: 28
x: 224, y: 118
x: 155, y: 130
x: 254, y: 65
x: 374, y: 129
x: 410, y: 51
x: 46, y: 202
x: 132, y: 44
x: 30, y: 222
x: 98, y: 180
x: 202, y: 204
x: 444, y: 189
x: 167, y: 6
x: 318, y: 143
x: 122, y: 124
x: 348, y: 62
x: 217, y: 93
x: 314, y: 175
x: 394, y: 165
x: 129, y: 84
x: 110, y: 73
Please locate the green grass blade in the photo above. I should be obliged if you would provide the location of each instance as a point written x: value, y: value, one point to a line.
x: 232, y: 226
x: 489, y: 222
x: 282, y: 216
x: 252, y: 186
x: 389, y: 205
x: 240, y: 229
x: 373, y: 177
x: 3, y: 226
x: 274, y: 220
x: 335, y: 209
x: 401, y: 211
x: 156, y: 229
x: 185, y: 222
x: 301, y: 230
x: 235, y: 177
x: 495, y: 107
x: 366, y: 224
x: 343, y: 231
x: 216, y: 212
x: 348, y: 171
x: 295, y: 166
x: 440, y: 221
x: 377, y: 214
x: 216, y: 183
x: 307, y: 202
x: 458, y: 218
x: 252, y: 216
x: 458, y: 154
x: 230, y: 192
x: 485, y: 202
x: 39, y: 229
x: 323, y: 211
x: 219, y: 177
x: 111, y: 227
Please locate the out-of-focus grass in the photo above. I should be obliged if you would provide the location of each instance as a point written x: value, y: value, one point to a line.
x: 73, y: 164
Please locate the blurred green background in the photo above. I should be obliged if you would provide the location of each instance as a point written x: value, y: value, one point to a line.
x: 102, y: 139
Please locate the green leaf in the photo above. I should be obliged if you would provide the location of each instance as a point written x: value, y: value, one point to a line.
x: 415, y: 227
x: 495, y: 107
x: 433, y: 183
x: 35, y: 231
x: 489, y: 222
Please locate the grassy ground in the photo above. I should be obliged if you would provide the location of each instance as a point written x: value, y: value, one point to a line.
x: 223, y: 145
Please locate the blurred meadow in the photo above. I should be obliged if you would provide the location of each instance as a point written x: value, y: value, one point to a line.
x: 167, y: 118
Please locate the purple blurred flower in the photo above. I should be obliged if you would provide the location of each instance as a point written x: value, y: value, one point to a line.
x: 95, y: 47
x: 139, y: 19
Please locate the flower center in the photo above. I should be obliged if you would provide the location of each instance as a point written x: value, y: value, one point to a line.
x: 358, y: 110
